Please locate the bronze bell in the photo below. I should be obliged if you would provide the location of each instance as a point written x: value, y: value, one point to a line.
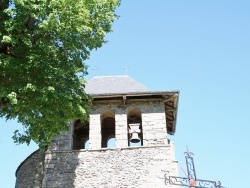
x: 135, y: 138
x: 134, y: 132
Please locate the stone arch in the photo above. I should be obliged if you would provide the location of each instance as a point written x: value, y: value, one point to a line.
x: 80, y: 135
x: 107, y: 127
x: 134, y: 117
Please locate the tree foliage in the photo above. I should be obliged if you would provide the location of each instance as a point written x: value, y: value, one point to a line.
x: 43, y: 45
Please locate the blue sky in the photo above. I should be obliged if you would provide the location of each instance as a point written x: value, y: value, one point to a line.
x: 202, y: 49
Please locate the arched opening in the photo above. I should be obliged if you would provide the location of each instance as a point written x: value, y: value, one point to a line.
x: 135, y: 131
x: 107, y: 127
x: 81, y: 135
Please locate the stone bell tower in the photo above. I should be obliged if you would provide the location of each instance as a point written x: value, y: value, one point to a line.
x: 124, y: 143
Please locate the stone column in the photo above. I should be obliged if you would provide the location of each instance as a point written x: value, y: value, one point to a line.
x: 154, y: 129
x: 95, y: 136
x: 121, y: 133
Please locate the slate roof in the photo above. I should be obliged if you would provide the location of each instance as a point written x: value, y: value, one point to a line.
x: 125, y: 88
x: 114, y: 84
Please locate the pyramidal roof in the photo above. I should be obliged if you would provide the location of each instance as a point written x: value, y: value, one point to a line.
x: 114, y: 84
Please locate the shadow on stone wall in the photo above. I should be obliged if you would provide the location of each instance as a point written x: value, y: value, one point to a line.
x: 30, y: 171
x: 59, y: 169
x: 105, y: 168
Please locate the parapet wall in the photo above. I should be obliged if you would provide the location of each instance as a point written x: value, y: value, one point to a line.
x: 105, y: 168
x: 109, y: 168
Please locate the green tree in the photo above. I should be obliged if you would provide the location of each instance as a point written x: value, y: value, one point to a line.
x: 43, y: 45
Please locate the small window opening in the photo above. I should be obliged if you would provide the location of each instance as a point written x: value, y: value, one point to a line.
x: 108, y: 128
x: 81, y: 135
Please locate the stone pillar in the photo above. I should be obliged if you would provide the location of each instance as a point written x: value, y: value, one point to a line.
x: 95, y: 136
x: 154, y: 129
x: 121, y: 133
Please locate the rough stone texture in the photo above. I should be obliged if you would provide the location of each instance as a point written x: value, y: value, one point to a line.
x: 95, y: 137
x: 121, y: 130
x: 30, y: 172
x: 123, y: 166
x: 153, y: 124
x: 109, y: 168
x: 142, y: 167
x: 62, y: 141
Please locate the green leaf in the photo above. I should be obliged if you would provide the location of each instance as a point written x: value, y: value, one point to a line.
x: 42, y: 68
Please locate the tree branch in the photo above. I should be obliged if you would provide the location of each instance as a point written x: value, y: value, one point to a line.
x: 4, y: 4
x: 3, y: 102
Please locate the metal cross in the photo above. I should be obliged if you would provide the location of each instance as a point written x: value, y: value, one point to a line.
x: 126, y: 68
x: 191, y: 180
x: 95, y: 68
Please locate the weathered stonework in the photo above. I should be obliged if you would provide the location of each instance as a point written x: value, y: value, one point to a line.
x: 109, y: 168
x: 153, y: 123
x: 30, y: 172
x: 143, y: 166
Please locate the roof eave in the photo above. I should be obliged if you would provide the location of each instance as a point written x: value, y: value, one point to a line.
x: 150, y: 93
x: 170, y: 98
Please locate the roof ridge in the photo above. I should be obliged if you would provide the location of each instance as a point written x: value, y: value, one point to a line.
x: 111, y: 76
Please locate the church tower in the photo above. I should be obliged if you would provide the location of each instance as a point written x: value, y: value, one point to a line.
x: 124, y: 143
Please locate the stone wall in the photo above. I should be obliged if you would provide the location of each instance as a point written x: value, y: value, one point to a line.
x: 62, y: 141
x: 132, y: 167
x: 153, y: 124
x: 145, y: 166
x: 30, y: 172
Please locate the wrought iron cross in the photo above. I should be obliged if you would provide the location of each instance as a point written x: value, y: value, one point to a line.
x: 126, y: 68
x: 191, y: 180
